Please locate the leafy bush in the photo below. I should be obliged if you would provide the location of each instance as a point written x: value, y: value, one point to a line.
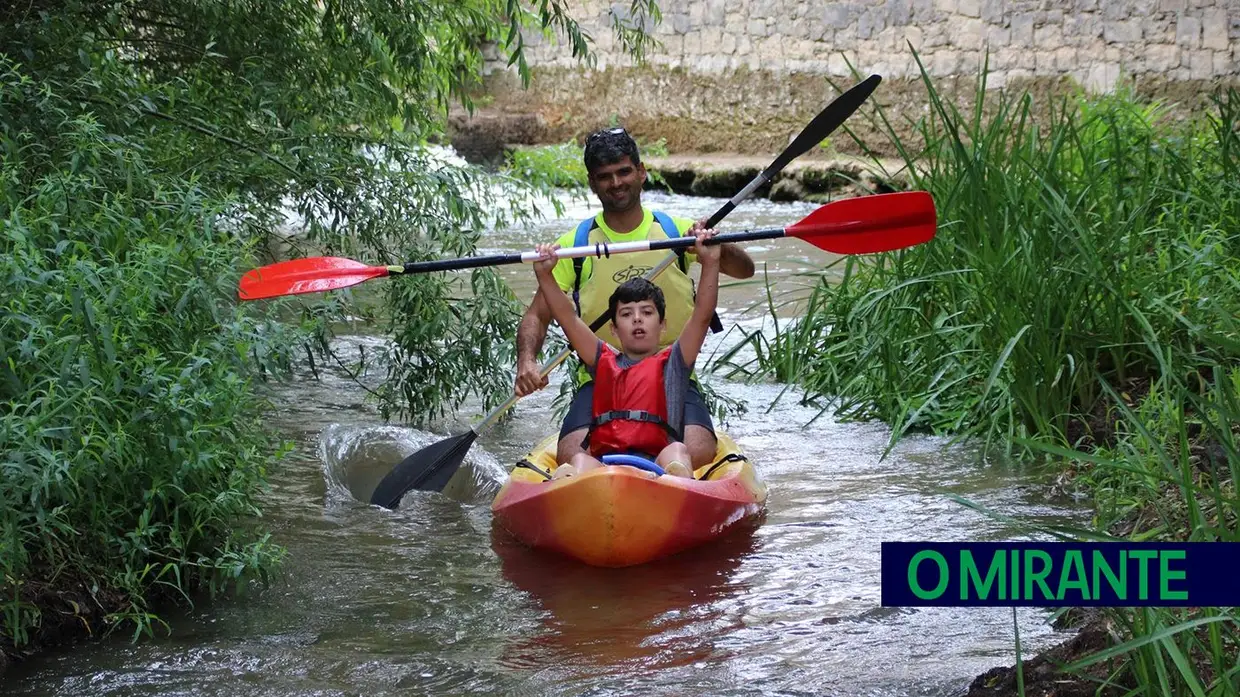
x: 130, y: 456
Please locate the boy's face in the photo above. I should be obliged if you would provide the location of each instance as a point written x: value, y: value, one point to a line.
x: 637, y: 326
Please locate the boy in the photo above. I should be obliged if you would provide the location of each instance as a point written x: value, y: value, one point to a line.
x: 639, y: 391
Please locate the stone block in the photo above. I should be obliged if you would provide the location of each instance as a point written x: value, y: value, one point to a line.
x: 1022, y: 29
x: 1223, y: 63
x: 870, y: 23
x: 1048, y: 37
x: 712, y: 37
x: 946, y: 7
x: 838, y: 15
x: 899, y: 12
x: 1214, y: 26
x: 995, y: 11
x: 727, y: 43
x: 1115, y: 11
x: 1188, y: 31
x: 945, y: 63
x: 1162, y: 57
x: 1044, y: 63
x: 924, y: 11
x: 1025, y: 60
x: 1087, y: 5
x: 932, y: 35
x: 680, y: 23
x: 1065, y: 59
x: 1200, y: 65
x: 1172, y: 5
x: 969, y: 8
x: 1158, y: 29
x: 788, y: 26
x: 1004, y: 59
x: 1102, y: 77
x: 970, y: 62
x: 756, y: 28
x: 911, y: 35
x: 998, y: 36
x: 1127, y: 31
x: 969, y: 34
x: 1093, y: 27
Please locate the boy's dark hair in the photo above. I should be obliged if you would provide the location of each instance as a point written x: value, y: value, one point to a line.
x: 607, y: 146
x: 636, y: 290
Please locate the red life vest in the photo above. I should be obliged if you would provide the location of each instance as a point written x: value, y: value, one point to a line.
x: 629, y: 406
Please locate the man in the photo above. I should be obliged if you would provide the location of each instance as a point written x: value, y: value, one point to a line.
x: 617, y: 176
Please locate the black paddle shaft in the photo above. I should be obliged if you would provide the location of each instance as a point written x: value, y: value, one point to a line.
x: 823, y: 125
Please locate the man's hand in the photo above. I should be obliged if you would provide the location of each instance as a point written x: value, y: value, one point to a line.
x: 529, y: 379
x: 705, y: 253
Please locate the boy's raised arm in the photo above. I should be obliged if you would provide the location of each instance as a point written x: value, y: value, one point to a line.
x: 694, y: 333
x: 578, y: 333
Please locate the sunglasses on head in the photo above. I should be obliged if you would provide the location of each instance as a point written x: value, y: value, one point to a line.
x: 609, y: 131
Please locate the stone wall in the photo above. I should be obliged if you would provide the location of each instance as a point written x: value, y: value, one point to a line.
x: 743, y: 75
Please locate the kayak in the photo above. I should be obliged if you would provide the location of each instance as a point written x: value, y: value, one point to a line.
x: 622, y: 515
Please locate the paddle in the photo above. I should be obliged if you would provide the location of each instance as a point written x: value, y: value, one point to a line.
x: 431, y: 468
x: 844, y: 227
x: 318, y: 274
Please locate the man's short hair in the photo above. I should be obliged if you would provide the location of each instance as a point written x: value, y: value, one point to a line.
x: 636, y: 290
x: 609, y: 145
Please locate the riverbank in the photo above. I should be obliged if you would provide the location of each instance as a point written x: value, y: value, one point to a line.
x: 822, y: 175
x: 813, y: 179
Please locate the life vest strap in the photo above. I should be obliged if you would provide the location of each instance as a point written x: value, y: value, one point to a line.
x: 634, y: 415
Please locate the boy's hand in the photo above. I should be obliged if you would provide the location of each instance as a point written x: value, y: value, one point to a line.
x: 705, y: 253
x: 547, y: 259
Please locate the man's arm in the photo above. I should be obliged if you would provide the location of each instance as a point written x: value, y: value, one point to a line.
x: 735, y: 262
x: 530, y: 336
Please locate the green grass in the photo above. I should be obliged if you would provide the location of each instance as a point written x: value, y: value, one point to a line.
x: 1079, y: 307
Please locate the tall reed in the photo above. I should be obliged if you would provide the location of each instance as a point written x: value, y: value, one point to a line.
x: 1087, y: 237
x: 1080, y: 300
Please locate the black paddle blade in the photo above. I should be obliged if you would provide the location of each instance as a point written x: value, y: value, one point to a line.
x: 825, y: 123
x: 429, y: 469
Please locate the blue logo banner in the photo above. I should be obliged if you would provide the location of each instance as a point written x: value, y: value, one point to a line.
x: 1057, y: 574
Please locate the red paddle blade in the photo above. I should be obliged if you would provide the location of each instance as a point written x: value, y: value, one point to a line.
x: 310, y: 275
x: 869, y: 224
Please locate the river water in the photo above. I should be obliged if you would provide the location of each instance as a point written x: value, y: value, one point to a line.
x: 426, y: 601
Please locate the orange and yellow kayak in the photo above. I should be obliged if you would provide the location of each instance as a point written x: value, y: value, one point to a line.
x: 620, y: 515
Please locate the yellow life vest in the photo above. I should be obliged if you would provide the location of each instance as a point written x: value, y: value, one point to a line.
x: 600, y: 276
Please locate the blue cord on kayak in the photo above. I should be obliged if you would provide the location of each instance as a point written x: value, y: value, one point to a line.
x: 637, y: 461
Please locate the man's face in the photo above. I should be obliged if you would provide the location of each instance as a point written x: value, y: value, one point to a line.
x: 618, y: 185
x: 638, y: 327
